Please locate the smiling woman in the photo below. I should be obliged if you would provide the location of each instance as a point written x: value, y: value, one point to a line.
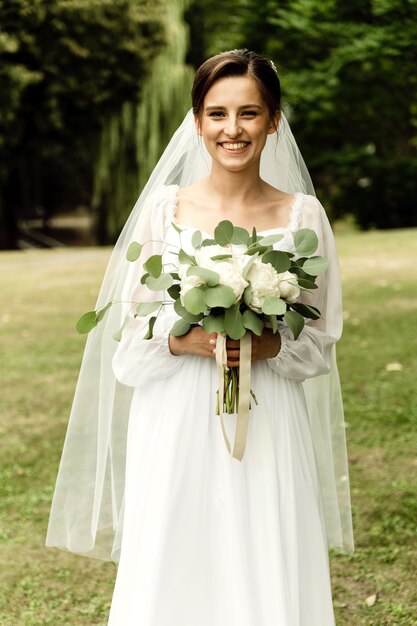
x: 235, y: 121
x: 201, y: 537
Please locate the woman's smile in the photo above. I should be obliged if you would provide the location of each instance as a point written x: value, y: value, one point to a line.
x: 235, y: 123
x: 237, y: 147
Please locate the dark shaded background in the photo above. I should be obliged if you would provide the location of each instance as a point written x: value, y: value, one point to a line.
x: 91, y: 91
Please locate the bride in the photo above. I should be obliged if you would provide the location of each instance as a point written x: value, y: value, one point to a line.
x: 203, y: 539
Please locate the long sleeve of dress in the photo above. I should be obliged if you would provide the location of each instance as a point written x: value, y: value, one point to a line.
x: 138, y: 361
x: 311, y: 354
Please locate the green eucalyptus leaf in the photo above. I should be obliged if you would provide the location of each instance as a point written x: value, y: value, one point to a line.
x: 221, y: 257
x: 186, y: 315
x: 208, y: 242
x: 197, y: 239
x: 295, y: 322
x: 194, y: 301
x: 315, y: 265
x: 175, y: 275
x: 185, y: 258
x: 278, y: 259
x: 300, y: 273
x: 133, y: 251
x: 240, y: 236
x: 102, y: 312
x: 117, y: 336
x: 145, y: 308
x: 223, y: 232
x: 269, y: 240
x: 143, y: 278
x: 249, y: 264
x: 304, y: 283
x: 306, y: 310
x: 174, y: 291
x: 247, y: 295
x: 181, y: 327
x: 151, y: 324
x: 274, y: 322
x: 162, y: 283
x: 274, y: 306
x: 154, y: 265
x: 306, y: 242
x: 233, y: 322
x: 177, y: 228
x: 87, y: 322
x: 213, y: 323
x: 256, y: 249
x: 221, y: 296
x: 254, y: 236
x: 253, y: 322
x: 210, y: 277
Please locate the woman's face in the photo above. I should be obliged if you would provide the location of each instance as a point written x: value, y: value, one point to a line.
x: 235, y: 122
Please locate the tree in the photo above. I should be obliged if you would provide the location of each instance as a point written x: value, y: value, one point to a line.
x: 349, y: 87
x: 66, y: 67
x: 133, y: 138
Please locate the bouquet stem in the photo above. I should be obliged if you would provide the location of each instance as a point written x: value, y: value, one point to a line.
x: 234, y: 391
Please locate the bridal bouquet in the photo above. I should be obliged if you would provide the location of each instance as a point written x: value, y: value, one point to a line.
x: 232, y: 284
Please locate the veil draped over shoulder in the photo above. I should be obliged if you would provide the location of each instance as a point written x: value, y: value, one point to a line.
x: 87, y: 508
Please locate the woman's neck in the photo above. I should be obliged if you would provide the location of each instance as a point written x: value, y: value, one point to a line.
x: 235, y: 188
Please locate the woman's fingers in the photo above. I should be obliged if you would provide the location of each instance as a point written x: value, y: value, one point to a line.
x: 233, y: 355
x: 266, y: 346
x: 200, y: 343
x: 233, y: 352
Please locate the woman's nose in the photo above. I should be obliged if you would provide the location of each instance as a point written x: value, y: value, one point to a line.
x: 232, y: 128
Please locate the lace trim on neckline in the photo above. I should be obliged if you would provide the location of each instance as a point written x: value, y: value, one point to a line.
x: 172, y: 198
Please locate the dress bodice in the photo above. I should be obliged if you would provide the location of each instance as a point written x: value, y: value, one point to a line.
x: 172, y: 236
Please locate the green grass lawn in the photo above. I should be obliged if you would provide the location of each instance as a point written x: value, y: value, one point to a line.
x: 44, y: 292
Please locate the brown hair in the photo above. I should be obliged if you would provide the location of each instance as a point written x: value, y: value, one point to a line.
x: 237, y: 63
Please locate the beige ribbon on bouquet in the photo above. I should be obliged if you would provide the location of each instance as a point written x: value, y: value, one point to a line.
x: 244, y: 391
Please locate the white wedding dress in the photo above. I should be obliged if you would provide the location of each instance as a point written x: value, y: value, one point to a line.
x: 208, y: 540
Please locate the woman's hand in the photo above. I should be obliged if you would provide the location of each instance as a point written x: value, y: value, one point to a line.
x: 196, y: 341
x: 200, y: 343
x: 264, y: 347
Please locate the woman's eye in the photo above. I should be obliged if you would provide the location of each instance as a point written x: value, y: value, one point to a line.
x: 216, y: 114
x: 249, y: 113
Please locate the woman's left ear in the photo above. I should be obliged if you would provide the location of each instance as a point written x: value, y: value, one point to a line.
x: 197, y: 124
x: 274, y: 123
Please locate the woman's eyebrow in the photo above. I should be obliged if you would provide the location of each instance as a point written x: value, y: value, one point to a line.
x: 244, y: 106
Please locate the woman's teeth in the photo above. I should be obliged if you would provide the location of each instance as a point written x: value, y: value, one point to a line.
x: 234, y: 146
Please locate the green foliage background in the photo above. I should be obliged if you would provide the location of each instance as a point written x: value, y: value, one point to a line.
x: 349, y: 85
x: 90, y: 93
x: 77, y: 124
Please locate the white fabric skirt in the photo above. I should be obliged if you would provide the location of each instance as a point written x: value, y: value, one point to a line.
x: 209, y: 540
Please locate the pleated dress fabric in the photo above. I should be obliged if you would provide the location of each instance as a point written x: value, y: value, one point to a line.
x: 208, y: 540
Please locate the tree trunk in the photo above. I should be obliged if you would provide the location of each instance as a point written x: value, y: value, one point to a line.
x: 8, y: 227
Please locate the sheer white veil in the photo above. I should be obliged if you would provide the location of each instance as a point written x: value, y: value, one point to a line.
x: 87, y: 508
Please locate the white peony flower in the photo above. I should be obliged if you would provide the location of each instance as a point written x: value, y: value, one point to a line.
x: 182, y: 269
x: 187, y: 283
x: 230, y: 272
x: 264, y: 280
x: 288, y: 285
x: 203, y: 255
